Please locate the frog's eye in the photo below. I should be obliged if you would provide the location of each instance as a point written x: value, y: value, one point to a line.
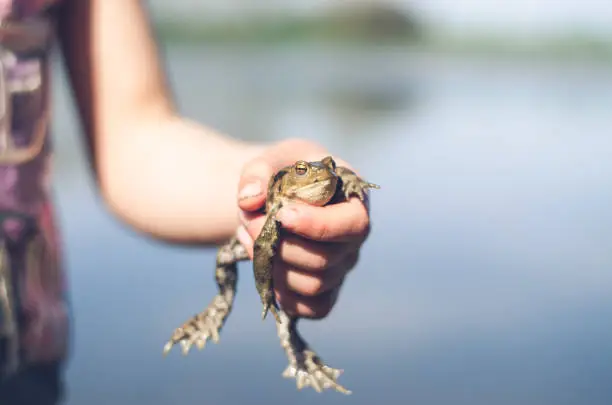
x: 301, y: 169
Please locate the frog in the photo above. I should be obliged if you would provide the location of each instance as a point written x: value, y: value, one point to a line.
x: 317, y: 183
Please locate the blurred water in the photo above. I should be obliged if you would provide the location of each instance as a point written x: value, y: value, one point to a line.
x: 487, y: 278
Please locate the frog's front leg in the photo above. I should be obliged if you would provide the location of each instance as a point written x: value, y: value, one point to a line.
x: 304, y: 363
x: 264, y: 250
x: 353, y: 185
x: 208, y: 323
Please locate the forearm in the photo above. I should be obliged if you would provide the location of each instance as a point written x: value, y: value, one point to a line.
x: 167, y: 177
x: 175, y: 180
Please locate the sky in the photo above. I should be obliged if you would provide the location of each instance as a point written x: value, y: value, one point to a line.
x: 530, y: 16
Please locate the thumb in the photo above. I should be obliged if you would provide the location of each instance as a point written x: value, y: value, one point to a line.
x: 253, y: 184
x: 256, y: 174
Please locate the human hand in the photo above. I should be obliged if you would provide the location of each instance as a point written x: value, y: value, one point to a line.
x: 323, y: 243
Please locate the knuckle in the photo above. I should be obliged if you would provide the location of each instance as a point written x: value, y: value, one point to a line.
x: 306, y: 312
x: 304, y: 255
x: 255, y: 168
x: 321, y: 311
x: 362, y: 226
x: 320, y: 230
x: 323, y: 305
x: 311, y: 287
x: 318, y: 262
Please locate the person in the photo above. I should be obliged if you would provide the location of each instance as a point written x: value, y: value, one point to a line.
x: 165, y: 176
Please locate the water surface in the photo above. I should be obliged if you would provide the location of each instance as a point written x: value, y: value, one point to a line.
x: 487, y: 278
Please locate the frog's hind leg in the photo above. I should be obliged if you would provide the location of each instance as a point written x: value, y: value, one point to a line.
x: 304, y: 363
x: 208, y: 323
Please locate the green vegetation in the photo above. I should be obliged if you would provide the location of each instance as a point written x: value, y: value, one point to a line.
x: 378, y: 25
x: 567, y: 46
x: 357, y: 25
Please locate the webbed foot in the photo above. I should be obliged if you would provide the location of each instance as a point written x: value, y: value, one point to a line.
x: 357, y: 188
x: 208, y: 323
x: 304, y: 364
x: 309, y: 370
x: 353, y: 185
x: 201, y: 327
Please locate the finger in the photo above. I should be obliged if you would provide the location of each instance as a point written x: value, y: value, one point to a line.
x: 310, y: 255
x: 254, y: 224
x: 253, y: 183
x: 256, y: 174
x: 343, y: 222
x: 309, y: 284
x: 303, y: 283
x: 245, y: 239
x: 246, y: 217
x: 300, y: 252
x: 307, y: 307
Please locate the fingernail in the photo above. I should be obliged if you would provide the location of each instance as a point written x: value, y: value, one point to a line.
x: 287, y: 216
x: 250, y: 190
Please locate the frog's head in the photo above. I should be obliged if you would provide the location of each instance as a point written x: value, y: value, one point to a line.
x: 311, y: 182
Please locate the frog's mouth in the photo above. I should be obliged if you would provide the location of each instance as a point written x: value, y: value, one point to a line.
x: 318, y: 193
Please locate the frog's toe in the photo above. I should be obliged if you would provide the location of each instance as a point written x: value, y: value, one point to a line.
x: 309, y: 370
x: 200, y: 328
x: 358, y: 189
x: 270, y: 305
x: 268, y: 301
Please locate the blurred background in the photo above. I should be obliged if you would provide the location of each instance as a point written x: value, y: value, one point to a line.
x: 487, y: 278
